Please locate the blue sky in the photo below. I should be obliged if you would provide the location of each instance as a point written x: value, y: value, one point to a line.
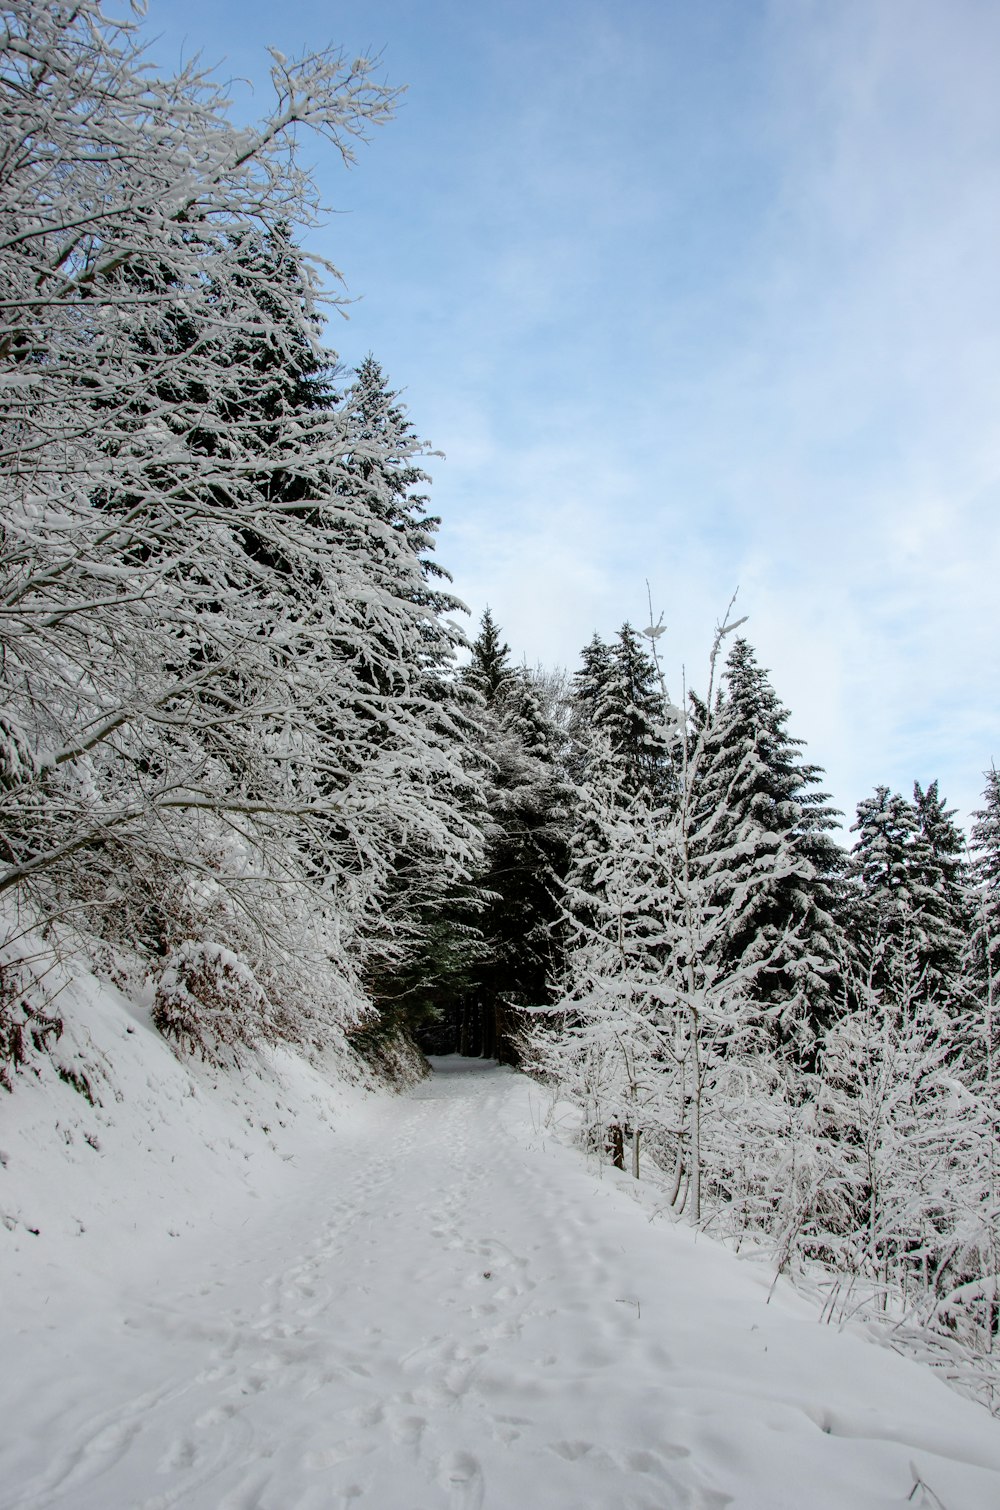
x: 700, y: 293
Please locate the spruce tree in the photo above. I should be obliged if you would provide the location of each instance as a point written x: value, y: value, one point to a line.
x: 908, y: 897
x: 764, y: 834
x: 947, y: 904
x: 489, y: 666
x: 628, y: 711
x: 985, y: 847
x: 382, y: 465
x: 585, y: 694
x: 421, y: 938
x: 509, y: 918
x: 527, y: 854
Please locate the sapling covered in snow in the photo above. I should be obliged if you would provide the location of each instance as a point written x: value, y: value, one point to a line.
x: 655, y: 1004
x: 823, y: 1088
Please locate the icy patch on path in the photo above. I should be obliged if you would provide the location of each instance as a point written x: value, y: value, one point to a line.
x: 448, y: 1310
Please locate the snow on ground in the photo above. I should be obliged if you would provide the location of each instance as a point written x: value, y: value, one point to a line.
x: 416, y: 1303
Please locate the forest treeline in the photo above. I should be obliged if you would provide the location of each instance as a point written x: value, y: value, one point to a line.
x: 251, y: 771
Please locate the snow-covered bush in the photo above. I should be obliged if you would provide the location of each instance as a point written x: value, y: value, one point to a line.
x: 26, y: 1028
x: 207, y: 1000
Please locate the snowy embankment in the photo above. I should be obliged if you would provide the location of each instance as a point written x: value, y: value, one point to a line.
x: 410, y: 1303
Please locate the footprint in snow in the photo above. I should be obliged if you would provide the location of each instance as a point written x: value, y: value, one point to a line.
x: 408, y: 1430
x: 179, y: 1456
x: 571, y: 1451
x: 461, y: 1475
x: 340, y: 1452
x: 369, y: 1415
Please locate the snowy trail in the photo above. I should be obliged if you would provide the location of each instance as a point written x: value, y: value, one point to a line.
x: 448, y: 1310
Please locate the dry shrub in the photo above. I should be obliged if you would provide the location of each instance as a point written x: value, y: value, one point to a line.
x: 207, y: 1000
x: 24, y: 1027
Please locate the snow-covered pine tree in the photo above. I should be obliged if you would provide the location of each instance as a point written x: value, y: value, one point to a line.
x: 422, y: 942
x: 615, y: 733
x: 489, y: 667
x: 947, y: 903
x: 984, y: 938
x: 764, y: 831
x: 527, y: 856
x: 614, y: 712
x: 585, y: 692
x: 908, y: 891
x: 514, y: 903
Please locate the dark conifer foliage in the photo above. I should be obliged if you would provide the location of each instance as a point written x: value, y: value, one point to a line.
x: 909, y: 907
x: 489, y: 668
x: 617, y: 707
x: 947, y: 901
x: 381, y: 464
x: 527, y: 854
x: 985, y: 929
x: 513, y: 908
x: 765, y: 830
x: 423, y: 941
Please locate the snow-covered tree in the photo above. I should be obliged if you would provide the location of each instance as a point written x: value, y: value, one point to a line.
x: 765, y: 831
x: 985, y: 933
x: 908, y: 889
x: 215, y: 631
x: 654, y: 1013
x: 616, y: 709
x: 515, y: 900
x: 912, y: 1194
x: 489, y: 667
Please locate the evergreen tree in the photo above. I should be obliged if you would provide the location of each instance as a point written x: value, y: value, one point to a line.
x: 982, y: 955
x: 985, y: 844
x: 909, y: 900
x: 526, y: 855
x: 586, y: 690
x: 627, y: 709
x: 421, y: 938
x: 489, y: 667
x: 382, y: 465
x: 947, y: 905
x: 764, y: 833
x: 507, y: 922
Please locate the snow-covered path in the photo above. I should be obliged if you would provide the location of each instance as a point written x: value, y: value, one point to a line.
x: 448, y: 1308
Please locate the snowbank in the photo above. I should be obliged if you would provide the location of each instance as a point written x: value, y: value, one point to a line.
x: 113, y: 1142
